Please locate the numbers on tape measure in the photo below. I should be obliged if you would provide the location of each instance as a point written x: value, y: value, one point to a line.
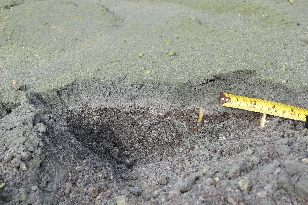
x: 263, y: 106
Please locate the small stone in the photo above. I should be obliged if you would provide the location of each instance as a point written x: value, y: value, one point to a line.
x: 249, y: 152
x: 23, y: 166
x: 163, y: 181
x: 245, y: 184
x: 49, y: 187
x: 195, y: 177
x: 79, y: 168
x: 305, y: 160
x: 136, y: 191
x: 276, y: 172
x: 185, y: 186
x: 114, y: 153
x: 22, y: 87
x: 26, y: 156
x: 41, y: 127
x: 121, y: 200
x: 34, y: 141
x: 261, y: 194
x: 255, y: 160
x: 17, y: 156
x: 68, y: 187
x: 172, y: 53
x: 34, y: 188
x: 294, y: 179
x: 15, y: 163
x: 205, y: 170
x: 8, y: 157
x: 29, y: 147
x: 129, y: 161
x: 126, y: 153
x: 94, y: 192
x: 108, y: 193
x: 234, y: 172
x: 2, y: 185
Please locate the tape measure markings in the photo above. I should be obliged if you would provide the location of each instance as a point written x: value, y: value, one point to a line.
x: 263, y: 106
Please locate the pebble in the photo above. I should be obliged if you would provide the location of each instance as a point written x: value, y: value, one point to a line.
x: 249, y: 152
x: 79, y: 168
x: 94, y: 192
x: 8, y: 157
x: 234, y: 172
x: 205, y: 170
x: 26, y: 156
x: 185, y: 186
x: 34, y: 188
x: 245, y: 184
x: 29, y: 147
x: 23, y: 166
x: 163, y: 181
x: 41, y: 127
x: 2, y: 185
x: 136, y: 191
x: 261, y: 194
x: 276, y: 172
x: 255, y: 160
x: 34, y: 141
x: 15, y: 163
x: 121, y: 200
x: 114, y: 153
x: 305, y: 160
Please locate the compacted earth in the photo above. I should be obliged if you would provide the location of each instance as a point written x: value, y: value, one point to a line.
x: 53, y: 152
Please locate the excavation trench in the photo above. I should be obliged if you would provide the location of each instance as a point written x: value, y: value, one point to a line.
x: 125, y: 136
x: 133, y: 136
x: 139, y: 123
x: 111, y: 138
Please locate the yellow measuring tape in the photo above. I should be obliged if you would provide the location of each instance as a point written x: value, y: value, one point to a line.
x: 263, y: 106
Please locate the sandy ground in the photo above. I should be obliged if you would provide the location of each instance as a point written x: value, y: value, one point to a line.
x: 100, y: 100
